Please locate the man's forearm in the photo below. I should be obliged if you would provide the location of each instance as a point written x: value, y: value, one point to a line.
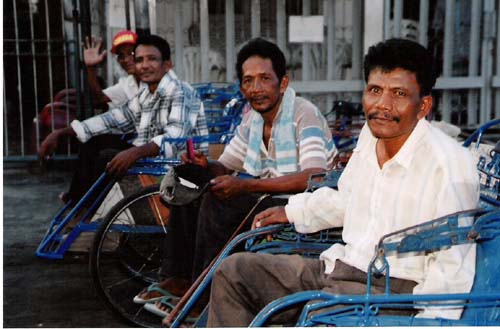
x: 292, y: 183
x: 100, y: 98
x: 147, y: 150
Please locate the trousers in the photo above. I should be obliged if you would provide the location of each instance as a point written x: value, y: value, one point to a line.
x: 246, y: 282
x: 92, y: 159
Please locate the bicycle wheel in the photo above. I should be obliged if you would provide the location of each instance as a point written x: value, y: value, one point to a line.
x: 126, y: 253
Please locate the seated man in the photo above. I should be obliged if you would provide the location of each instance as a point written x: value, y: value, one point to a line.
x: 403, y: 172
x: 281, y: 141
x: 167, y: 107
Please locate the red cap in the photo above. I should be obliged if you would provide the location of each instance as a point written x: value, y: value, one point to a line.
x: 123, y: 38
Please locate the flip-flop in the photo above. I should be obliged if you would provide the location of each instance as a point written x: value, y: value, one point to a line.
x: 153, y: 287
x: 168, y: 301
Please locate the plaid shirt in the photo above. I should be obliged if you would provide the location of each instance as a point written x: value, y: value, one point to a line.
x: 174, y: 110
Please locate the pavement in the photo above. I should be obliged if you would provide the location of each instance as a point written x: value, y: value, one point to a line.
x: 39, y: 292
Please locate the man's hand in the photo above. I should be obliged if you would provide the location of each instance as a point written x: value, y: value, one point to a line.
x: 199, y: 159
x: 91, y: 54
x: 270, y: 216
x: 226, y: 186
x: 119, y: 165
x: 48, y: 145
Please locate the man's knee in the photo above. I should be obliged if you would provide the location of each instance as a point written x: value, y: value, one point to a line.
x: 235, y: 265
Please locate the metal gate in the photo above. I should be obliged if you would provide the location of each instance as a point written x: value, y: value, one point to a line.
x: 42, y: 37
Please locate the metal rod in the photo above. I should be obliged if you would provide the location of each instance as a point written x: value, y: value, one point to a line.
x: 497, y: 91
x: 127, y: 14
x: 49, y: 60
x: 475, y: 29
x: 329, y: 14
x: 230, y: 40
x: 387, y: 19
x: 306, y: 47
x: 35, y: 80
x: 5, y: 130
x: 281, y: 25
x: 448, y: 56
x: 204, y: 40
x: 179, y: 41
x: 19, y: 87
x: 66, y: 86
x: 423, y: 24
x: 255, y: 18
x: 397, y: 19
x: 76, y: 63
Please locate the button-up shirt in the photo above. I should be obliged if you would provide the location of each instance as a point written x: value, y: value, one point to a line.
x: 173, y: 110
x: 430, y: 176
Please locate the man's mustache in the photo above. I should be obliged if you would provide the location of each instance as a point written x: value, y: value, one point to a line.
x: 383, y: 115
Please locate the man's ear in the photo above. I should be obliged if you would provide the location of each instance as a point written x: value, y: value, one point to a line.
x: 425, y: 106
x: 284, y: 84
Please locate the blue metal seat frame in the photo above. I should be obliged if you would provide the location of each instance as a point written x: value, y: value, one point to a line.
x: 222, y: 101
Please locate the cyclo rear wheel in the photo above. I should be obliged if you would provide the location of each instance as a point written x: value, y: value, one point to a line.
x: 126, y: 253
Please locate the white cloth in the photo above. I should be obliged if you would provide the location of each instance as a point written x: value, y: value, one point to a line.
x: 430, y: 176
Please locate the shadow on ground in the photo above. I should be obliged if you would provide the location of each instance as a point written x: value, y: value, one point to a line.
x: 39, y: 292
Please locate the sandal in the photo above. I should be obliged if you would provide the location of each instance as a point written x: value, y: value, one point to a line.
x: 169, y: 303
x: 152, y: 288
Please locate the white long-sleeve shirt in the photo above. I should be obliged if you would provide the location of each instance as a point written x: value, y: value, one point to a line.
x: 430, y: 176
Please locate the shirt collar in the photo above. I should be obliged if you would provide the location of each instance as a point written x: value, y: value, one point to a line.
x: 168, y: 78
x: 367, y: 143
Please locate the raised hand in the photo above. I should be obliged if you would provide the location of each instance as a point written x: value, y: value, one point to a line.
x: 92, y: 55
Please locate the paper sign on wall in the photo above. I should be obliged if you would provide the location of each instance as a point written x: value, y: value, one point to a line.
x: 305, y: 29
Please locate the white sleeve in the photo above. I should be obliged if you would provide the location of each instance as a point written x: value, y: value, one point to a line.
x: 117, y: 94
x: 312, y: 212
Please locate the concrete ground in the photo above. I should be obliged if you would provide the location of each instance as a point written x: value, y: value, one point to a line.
x: 39, y: 292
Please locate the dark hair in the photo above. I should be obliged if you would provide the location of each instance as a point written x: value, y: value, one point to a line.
x: 156, y: 41
x: 405, y: 54
x: 265, y: 49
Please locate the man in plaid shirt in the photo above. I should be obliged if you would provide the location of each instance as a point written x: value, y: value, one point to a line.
x: 169, y: 108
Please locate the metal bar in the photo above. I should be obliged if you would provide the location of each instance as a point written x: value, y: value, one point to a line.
x: 387, y: 19
x: 230, y: 40
x: 397, y: 19
x: 423, y: 23
x: 127, y: 14
x: 5, y: 130
x: 35, y: 85
x: 179, y: 41
x: 281, y: 24
x: 327, y: 86
x: 19, y: 87
x: 448, y: 57
x: 487, y: 60
x: 496, y: 80
x: 459, y: 83
x: 49, y: 59
x: 306, y: 47
x: 357, y: 38
x: 255, y: 18
x: 473, y: 70
x: 76, y: 63
x: 329, y: 13
x: 66, y: 85
x: 204, y: 40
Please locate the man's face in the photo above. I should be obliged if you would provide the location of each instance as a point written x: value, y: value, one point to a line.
x: 260, y: 85
x: 125, y: 57
x: 392, y: 103
x: 149, y: 65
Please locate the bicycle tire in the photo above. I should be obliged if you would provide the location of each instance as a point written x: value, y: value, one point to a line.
x: 126, y: 254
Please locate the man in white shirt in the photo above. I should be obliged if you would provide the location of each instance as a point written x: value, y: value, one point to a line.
x: 403, y: 172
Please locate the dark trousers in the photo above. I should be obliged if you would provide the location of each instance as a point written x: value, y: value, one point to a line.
x: 198, y: 232
x: 92, y: 159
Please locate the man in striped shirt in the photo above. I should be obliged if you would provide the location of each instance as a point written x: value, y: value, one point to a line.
x: 280, y: 142
x: 403, y: 172
x: 169, y: 108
